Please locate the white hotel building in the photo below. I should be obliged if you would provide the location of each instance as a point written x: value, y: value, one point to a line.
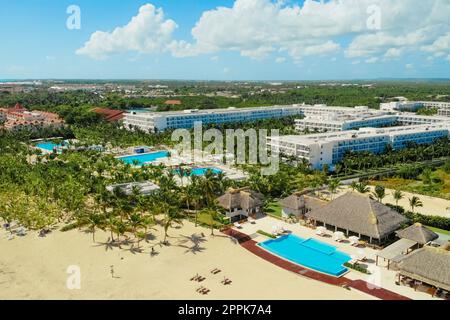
x: 160, y: 121
x: 330, y: 148
x: 412, y: 106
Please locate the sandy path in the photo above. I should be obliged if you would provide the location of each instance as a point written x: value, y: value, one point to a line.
x: 35, y: 268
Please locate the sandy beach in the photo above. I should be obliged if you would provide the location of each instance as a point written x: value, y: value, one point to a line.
x: 36, y: 268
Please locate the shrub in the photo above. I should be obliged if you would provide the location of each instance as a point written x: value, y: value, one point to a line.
x: 357, y: 267
x: 69, y: 227
x: 432, y: 221
x: 266, y: 234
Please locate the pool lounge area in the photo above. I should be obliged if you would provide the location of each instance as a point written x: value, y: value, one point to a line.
x: 309, y: 253
x: 142, y: 159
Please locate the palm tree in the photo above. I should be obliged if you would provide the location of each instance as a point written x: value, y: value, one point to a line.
x: 95, y: 220
x: 213, y: 213
x: 415, y: 202
x: 426, y: 176
x: 398, y: 195
x: 379, y: 193
x: 362, y: 187
x: 333, y: 185
x: 172, y: 217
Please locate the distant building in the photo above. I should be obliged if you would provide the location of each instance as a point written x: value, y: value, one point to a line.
x: 19, y: 118
x: 143, y: 188
x: 413, y: 106
x: 161, y: 121
x: 330, y: 148
x: 110, y: 115
x: 173, y: 103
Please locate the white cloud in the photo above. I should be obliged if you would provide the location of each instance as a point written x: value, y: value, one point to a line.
x: 409, y: 66
x: 260, y: 28
x: 257, y: 28
x: 393, y: 53
x: 440, y: 47
x: 280, y: 60
x: 147, y: 32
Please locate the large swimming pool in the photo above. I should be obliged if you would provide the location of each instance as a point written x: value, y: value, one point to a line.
x: 144, y: 158
x: 201, y: 171
x: 310, y: 253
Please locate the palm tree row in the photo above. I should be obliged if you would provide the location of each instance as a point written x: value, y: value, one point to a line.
x: 412, y: 153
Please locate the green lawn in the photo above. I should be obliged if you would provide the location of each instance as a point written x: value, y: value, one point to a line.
x: 206, y: 220
x: 274, y: 208
x: 444, y: 232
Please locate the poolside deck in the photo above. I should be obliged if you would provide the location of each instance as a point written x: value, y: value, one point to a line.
x: 246, y: 242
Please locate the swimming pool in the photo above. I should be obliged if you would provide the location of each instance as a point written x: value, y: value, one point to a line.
x: 201, y: 171
x: 309, y: 253
x: 144, y: 158
x: 49, y: 146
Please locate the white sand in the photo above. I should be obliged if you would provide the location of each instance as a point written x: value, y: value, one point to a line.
x: 35, y: 268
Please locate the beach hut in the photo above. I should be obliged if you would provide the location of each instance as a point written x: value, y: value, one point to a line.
x: 358, y: 214
x: 418, y: 233
x: 426, y: 266
x: 241, y: 203
x: 299, y: 203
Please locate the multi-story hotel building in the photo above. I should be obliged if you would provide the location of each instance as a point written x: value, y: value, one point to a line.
x: 160, y: 121
x: 331, y: 123
x: 19, y: 118
x: 413, y: 106
x: 330, y: 148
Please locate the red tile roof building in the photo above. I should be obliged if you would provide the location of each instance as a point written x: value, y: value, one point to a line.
x: 19, y: 118
x: 173, y: 102
x: 110, y: 115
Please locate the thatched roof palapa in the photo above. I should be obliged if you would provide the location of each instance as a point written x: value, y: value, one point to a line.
x: 418, y: 233
x: 300, y: 200
x: 429, y: 265
x: 360, y: 214
x: 243, y: 198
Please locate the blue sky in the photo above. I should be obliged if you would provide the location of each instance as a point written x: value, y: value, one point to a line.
x: 248, y: 40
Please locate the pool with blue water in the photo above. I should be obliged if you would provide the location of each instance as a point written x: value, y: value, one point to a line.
x: 310, y: 253
x: 142, y: 159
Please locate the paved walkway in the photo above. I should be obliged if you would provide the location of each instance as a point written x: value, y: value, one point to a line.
x: 251, y: 245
